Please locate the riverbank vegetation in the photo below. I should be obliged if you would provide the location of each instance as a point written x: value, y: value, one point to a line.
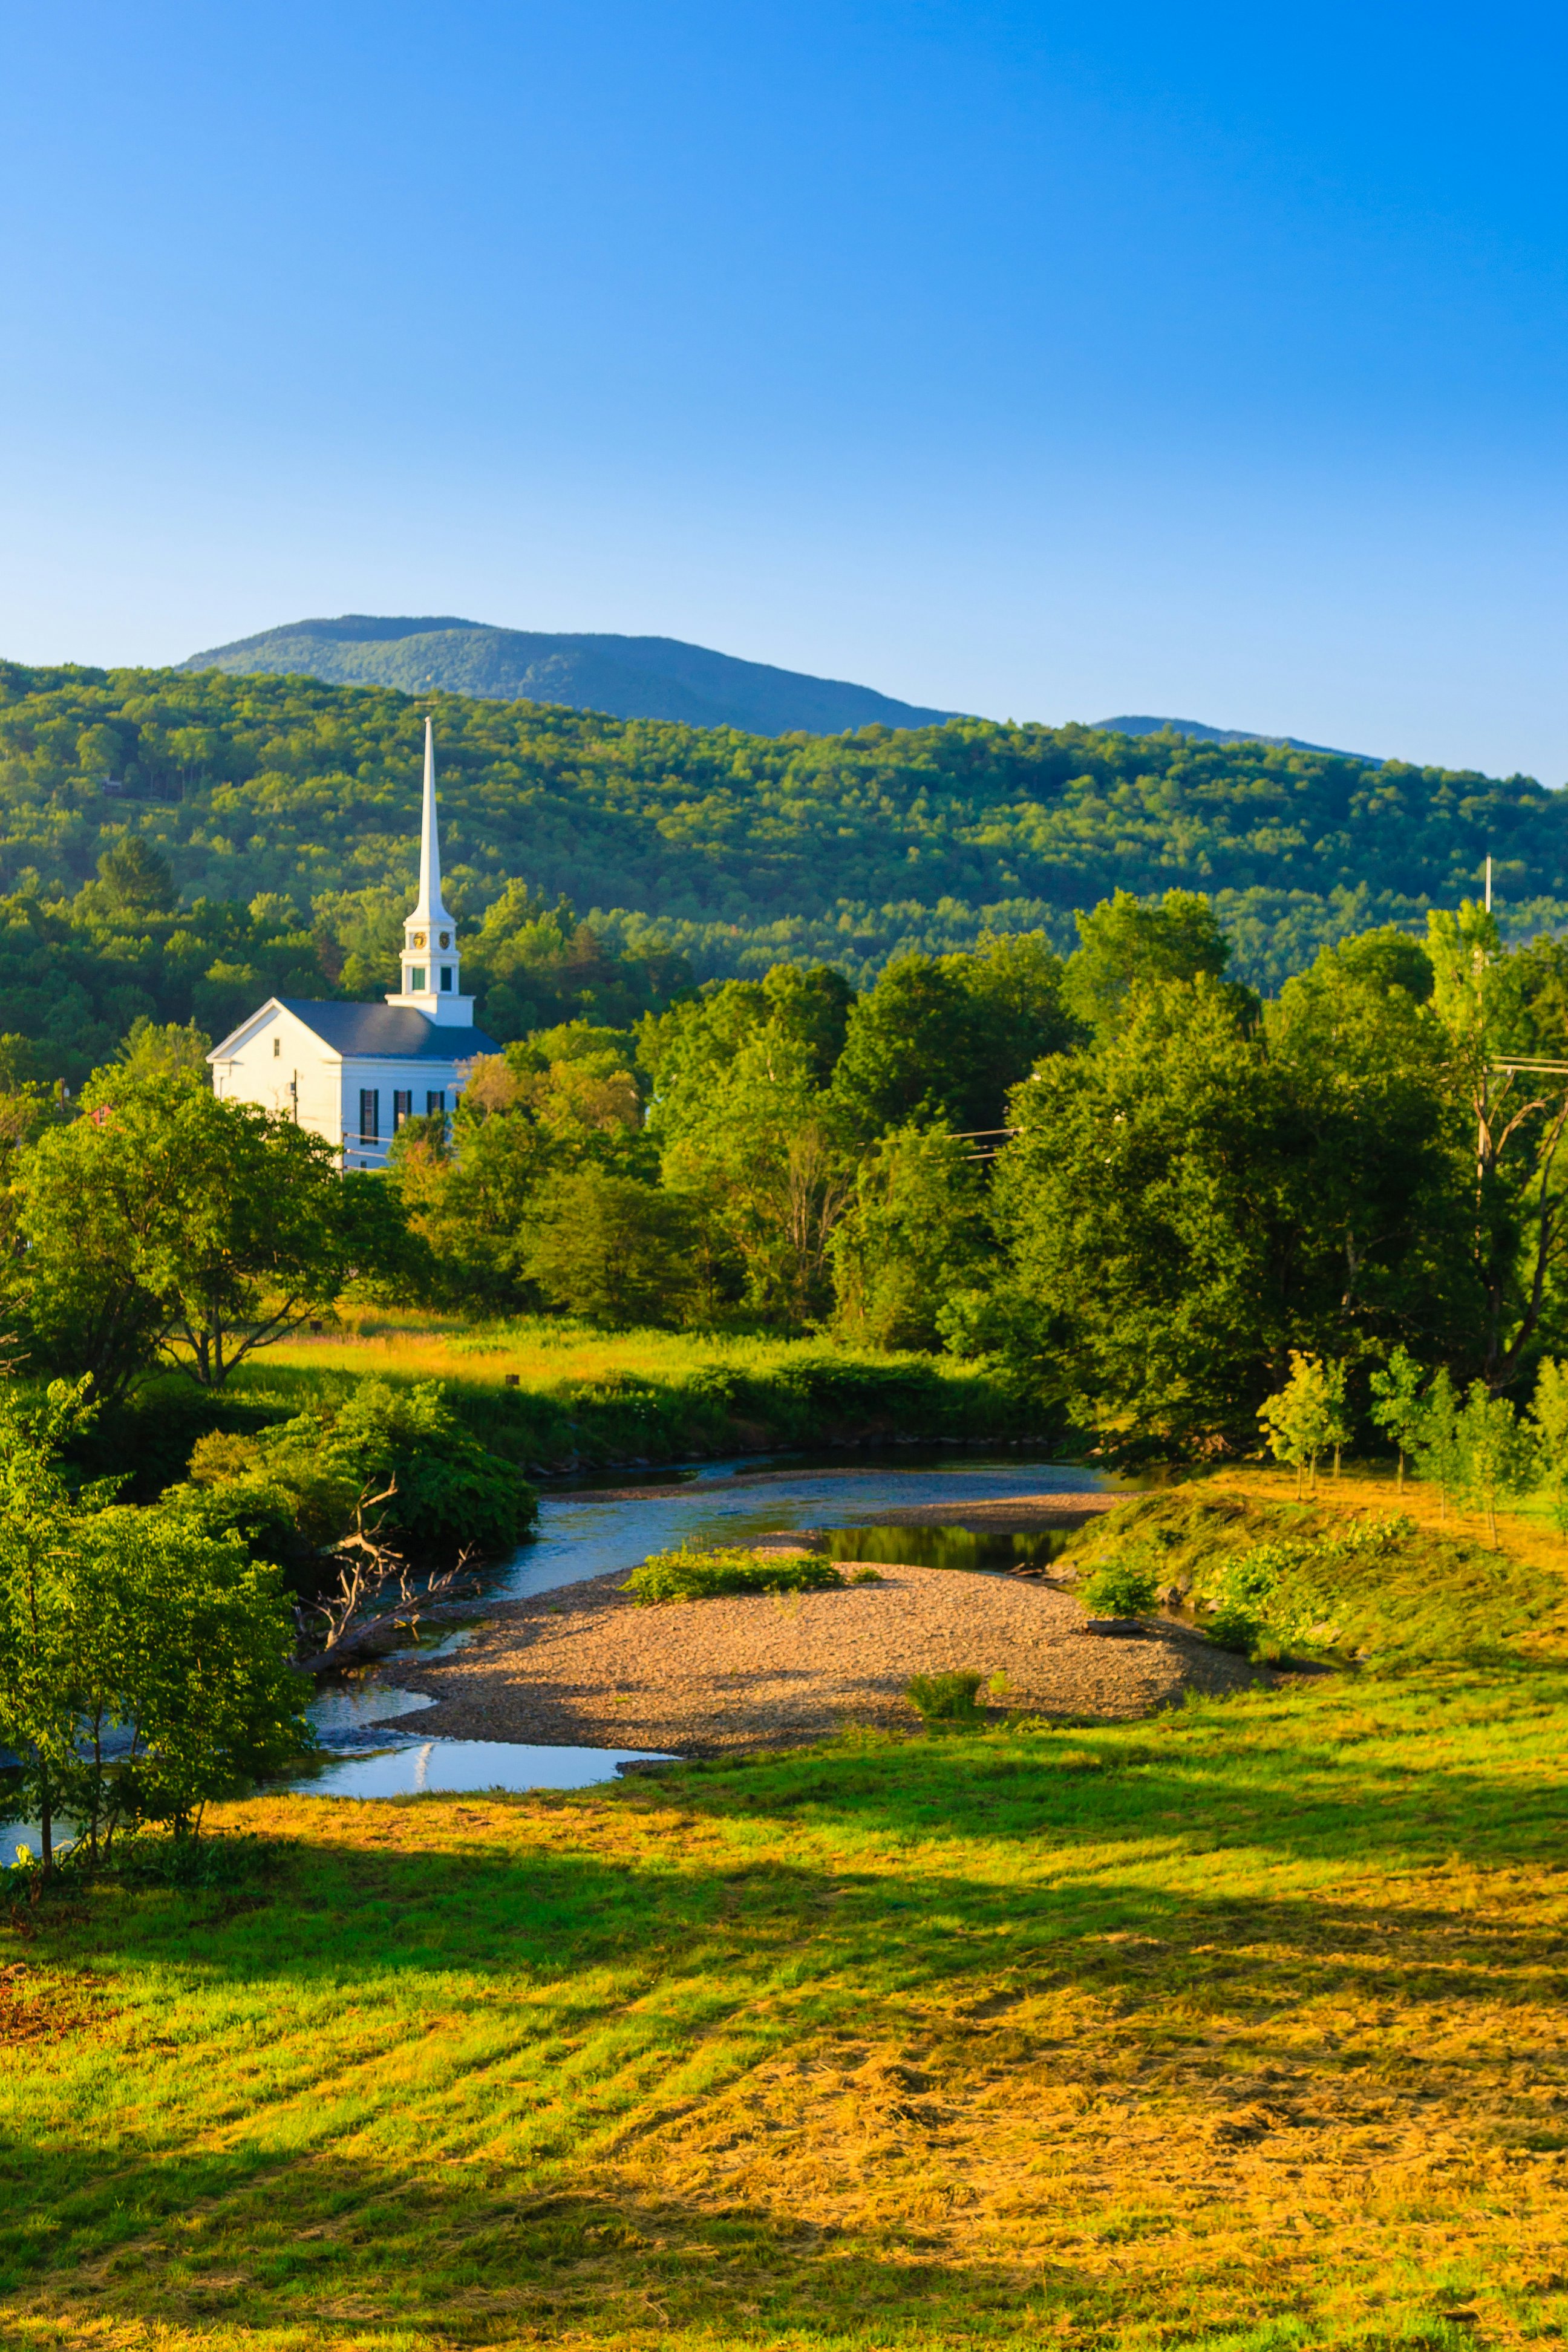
x: 1237, y: 2027
x: 1354, y: 1577
x: 1157, y: 1218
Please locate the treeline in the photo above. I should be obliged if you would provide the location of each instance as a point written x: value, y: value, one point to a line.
x: 744, y: 850
x: 78, y: 973
x: 1119, y: 1174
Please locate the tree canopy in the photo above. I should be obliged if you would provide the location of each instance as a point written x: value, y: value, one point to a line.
x: 297, y: 800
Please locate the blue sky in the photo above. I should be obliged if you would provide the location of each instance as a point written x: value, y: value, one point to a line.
x: 1043, y: 361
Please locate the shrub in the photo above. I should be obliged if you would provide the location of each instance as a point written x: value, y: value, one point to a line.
x: 291, y: 1490
x: 686, y: 1575
x: 1234, y: 1626
x: 866, y: 1576
x: 946, y: 1702
x: 1121, y: 1587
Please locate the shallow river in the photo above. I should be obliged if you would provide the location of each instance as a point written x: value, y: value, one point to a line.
x: 585, y: 1534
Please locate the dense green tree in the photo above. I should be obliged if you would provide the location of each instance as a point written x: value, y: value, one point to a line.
x: 1126, y: 945
x: 942, y: 1040
x: 165, y: 1219
x: 148, y: 1050
x: 915, y: 1235
x: 613, y: 1250
x: 1505, y: 1014
x: 563, y: 1100
x: 761, y: 1152
x: 136, y: 879
x: 134, y: 1619
x: 1180, y: 1221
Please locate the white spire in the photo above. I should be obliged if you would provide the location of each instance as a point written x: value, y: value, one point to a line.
x: 431, y: 963
x: 428, y: 908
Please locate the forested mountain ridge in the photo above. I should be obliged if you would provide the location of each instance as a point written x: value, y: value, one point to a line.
x: 736, y: 850
x: 629, y: 677
x: 1140, y: 724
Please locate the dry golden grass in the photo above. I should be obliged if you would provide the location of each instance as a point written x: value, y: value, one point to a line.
x: 542, y: 1353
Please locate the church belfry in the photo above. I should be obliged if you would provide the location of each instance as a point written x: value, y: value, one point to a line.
x: 431, y: 967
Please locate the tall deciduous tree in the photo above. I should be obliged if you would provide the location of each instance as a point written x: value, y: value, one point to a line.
x: 916, y: 1234
x: 163, y: 1219
x: 613, y: 1250
x: 1181, y: 1214
x: 1129, y: 944
x: 1503, y: 1008
x: 939, y: 1040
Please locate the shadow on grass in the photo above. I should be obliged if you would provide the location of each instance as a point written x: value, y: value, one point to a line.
x: 288, y: 2102
x: 404, y: 2258
x: 384, y: 2251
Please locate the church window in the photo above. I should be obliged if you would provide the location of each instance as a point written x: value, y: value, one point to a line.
x: 435, y: 1102
x: 402, y: 1108
x: 446, y: 975
x: 445, y: 938
x: 415, y: 979
x: 369, y: 1115
x: 276, y: 1048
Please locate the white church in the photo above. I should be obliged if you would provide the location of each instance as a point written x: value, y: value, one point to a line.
x: 353, y: 1073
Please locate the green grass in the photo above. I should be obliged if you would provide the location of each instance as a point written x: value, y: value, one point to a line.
x: 687, y: 1575
x: 1239, y: 2028
x: 1381, y: 1583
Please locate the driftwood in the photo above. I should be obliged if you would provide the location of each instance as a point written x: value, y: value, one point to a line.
x: 373, y: 1575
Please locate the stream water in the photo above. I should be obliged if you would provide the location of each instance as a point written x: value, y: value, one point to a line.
x: 589, y: 1533
x: 371, y: 1731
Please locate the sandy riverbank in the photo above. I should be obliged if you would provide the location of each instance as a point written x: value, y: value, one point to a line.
x: 585, y: 1666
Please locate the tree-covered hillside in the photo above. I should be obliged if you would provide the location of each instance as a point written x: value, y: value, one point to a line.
x: 740, y: 850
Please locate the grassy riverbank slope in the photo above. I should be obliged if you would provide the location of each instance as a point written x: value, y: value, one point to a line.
x: 1235, y: 2028
x: 586, y: 1399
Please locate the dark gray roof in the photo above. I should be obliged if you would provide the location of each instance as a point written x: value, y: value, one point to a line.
x: 386, y: 1030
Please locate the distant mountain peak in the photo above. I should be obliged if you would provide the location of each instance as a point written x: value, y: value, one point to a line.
x: 628, y: 677
x: 1202, y: 734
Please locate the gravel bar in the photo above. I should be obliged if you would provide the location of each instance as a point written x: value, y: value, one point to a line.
x: 585, y: 1666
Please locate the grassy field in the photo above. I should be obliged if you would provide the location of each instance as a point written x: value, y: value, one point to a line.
x: 1422, y: 1584
x: 1240, y: 2028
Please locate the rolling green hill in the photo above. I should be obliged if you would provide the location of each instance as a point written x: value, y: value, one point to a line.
x: 629, y: 677
x: 297, y: 800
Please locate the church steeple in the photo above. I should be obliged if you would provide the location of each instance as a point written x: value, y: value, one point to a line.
x: 428, y: 908
x: 431, y: 973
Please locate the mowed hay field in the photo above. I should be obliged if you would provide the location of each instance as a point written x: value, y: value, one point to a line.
x: 1240, y: 2027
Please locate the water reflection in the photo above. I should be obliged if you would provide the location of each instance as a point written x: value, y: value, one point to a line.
x: 956, y: 1548
x: 594, y: 1534
x: 357, y: 1705
x: 465, y: 1767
